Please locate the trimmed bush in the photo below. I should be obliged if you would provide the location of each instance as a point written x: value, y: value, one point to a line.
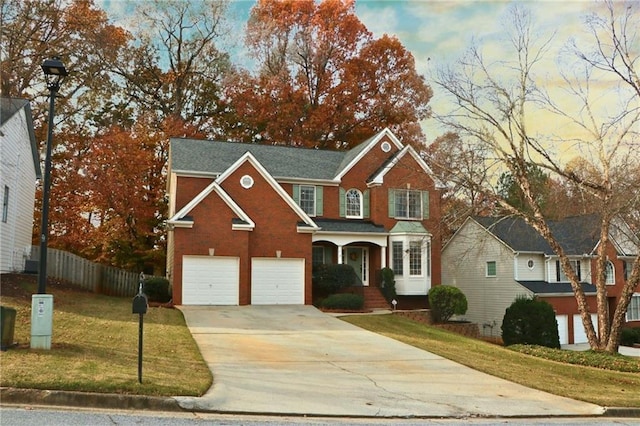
x: 629, y: 336
x: 446, y: 301
x: 346, y: 301
x: 530, y: 321
x: 331, y: 278
x: 388, y: 284
x: 157, y: 289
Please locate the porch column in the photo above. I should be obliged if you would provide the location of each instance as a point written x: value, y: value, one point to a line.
x: 339, y: 255
x: 383, y: 257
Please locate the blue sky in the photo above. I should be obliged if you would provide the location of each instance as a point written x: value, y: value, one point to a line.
x: 437, y: 32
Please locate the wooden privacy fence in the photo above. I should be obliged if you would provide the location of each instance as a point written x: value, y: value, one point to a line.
x: 87, y: 274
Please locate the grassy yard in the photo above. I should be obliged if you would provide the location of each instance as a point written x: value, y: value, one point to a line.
x: 95, y: 348
x: 595, y: 385
x: 95, y: 345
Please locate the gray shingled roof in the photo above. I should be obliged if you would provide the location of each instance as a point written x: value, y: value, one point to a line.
x: 9, y: 106
x: 214, y: 157
x: 350, y: 225
x: 542, y: 287
x: 577, y: 235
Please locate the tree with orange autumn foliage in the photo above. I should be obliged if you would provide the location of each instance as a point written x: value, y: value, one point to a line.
x: 323, y: 81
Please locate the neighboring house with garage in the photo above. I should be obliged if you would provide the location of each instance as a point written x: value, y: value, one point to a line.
x: 19, y: 171
x: 495, y: 259
x: 247, y: 222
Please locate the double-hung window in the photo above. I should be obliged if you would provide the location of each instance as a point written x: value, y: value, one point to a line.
x: 397, y: 254
x: 560, y: 275
x: 308, y: 199
x: 354, y: 203
x: 633, y: 311
x: 408, y: 204
x: 415, y: 258
x: 492, y: 269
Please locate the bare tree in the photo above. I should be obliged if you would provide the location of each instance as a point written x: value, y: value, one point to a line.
x: 498, y: 99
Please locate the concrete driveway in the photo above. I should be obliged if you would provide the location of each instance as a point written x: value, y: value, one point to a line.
x: 297, y: 360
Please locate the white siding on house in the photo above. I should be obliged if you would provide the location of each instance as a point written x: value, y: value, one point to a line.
x: 585, y: 269
x: 526, y: 273
x: 18, y: 173
x: 464, y: 261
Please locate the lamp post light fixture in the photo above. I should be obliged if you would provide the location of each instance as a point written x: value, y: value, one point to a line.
x: 54, y: 73
x: 41, y: 303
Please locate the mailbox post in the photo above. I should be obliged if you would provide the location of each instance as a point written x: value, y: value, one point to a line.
x: 140, y: 307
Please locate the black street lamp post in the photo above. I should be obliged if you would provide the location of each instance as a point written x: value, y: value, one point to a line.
x: 54, y: 72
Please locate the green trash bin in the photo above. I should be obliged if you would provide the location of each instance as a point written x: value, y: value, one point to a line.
x: 7, y: 325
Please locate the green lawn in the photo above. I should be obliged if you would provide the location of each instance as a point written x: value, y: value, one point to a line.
x: 596, y: 385
x: 95, y: 346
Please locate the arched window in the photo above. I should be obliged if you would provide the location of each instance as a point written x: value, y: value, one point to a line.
x: 354, y: 203
x: 610, y: 276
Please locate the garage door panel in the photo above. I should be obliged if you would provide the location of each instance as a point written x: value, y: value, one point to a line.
x: 277, y: 281
x: 210, y: 280
x: 563, y: 328
x: 579, y: 334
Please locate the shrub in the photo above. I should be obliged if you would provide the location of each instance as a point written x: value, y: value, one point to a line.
x: 388, y: 284
x: 331, y: 278
x: 346, y: 301
x: 157, y: 289
x: 530, y: 321
x: 629, y: 336
x: 446, y: 301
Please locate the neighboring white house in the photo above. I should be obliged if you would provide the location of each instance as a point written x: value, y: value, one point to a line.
x: 19, y: 169
x: 493, y: 260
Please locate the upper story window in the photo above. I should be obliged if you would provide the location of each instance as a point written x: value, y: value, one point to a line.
x: 408, y: 204
x: 609, y: 273
x: 354, y: 203
x: 309, y: 198
x: 562, y: 277
x: 492, y: 269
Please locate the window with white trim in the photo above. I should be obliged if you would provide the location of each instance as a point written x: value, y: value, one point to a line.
x: 397, y: 254
x: 610, y: 277
x: 308, y: 199
x: 408, y: 204
x: 354, y: 203
x: 415, y: 258
x: 492, y: 269
x: 633, y: 311
x: 560, y: 275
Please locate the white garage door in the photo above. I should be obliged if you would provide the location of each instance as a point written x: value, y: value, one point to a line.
x: 277, y: 281
x: 563, y: 328
x: 208, y: 280
x: 579, y: 335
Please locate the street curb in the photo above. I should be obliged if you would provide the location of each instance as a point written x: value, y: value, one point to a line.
x: 87, y: 399
x: 631, y: 412
x: 17, y: 396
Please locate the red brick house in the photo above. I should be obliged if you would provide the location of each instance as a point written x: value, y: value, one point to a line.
x: 495, y: 259
x: 248, y: 222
